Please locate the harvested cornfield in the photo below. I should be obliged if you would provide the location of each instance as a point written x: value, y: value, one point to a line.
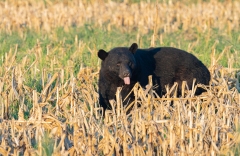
x: 50, y: 108
x: 190, y: 125
x: 167, y: 17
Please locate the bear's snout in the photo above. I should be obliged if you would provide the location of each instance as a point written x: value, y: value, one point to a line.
x: 125, y: 74
x: 125, y: 71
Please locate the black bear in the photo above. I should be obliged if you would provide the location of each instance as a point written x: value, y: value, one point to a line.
x: 123, y: 67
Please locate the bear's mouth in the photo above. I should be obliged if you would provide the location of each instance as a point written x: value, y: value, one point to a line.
x: 126, y: 80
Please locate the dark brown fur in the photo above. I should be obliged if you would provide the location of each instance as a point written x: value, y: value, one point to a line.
x: 166, y: 65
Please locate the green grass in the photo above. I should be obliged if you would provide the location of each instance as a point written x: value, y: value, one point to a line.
x: 204, y: 44
x: 47, y: 144
x: 62, y: 46
x: 99, y: 38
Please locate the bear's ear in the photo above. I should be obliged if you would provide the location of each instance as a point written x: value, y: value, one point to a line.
x: 102, y: 54
x: 133, y: 48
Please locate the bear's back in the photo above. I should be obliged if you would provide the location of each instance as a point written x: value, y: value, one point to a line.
x: 171, y: 65
x: 165, y: 56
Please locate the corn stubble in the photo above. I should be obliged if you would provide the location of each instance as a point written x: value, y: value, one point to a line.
x: 67, y: 111
x: 166, y: 17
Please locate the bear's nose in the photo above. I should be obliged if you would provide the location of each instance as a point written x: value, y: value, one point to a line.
x: 126, y: 74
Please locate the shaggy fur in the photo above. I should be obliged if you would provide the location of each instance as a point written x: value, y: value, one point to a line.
x: 123, y: 67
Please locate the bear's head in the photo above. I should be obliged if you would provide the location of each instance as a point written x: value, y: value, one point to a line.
x: 119, y: 62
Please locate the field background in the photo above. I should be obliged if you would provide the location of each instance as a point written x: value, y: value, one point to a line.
x: 49, y: 74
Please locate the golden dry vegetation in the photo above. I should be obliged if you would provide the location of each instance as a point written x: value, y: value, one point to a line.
x: 65, y: 115
x: 167, y: 16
